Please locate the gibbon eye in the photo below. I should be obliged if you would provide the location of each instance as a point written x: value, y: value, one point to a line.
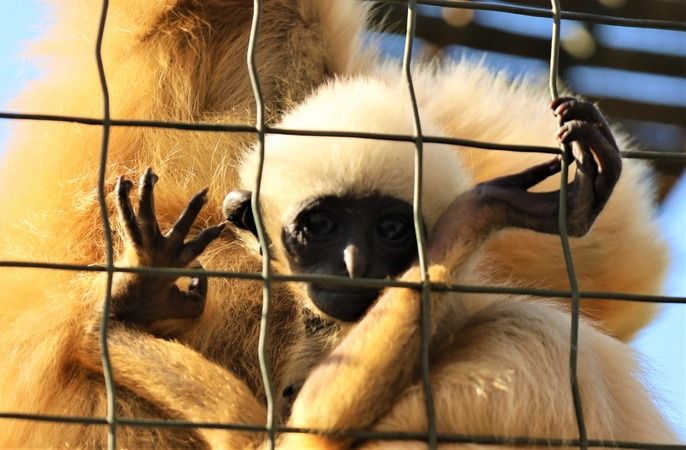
x: 394, y: 229
x: 318, y: 224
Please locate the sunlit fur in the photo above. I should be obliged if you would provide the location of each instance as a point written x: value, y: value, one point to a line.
x: 185, y: 60
x: 499, y: 364
x: 165, y: 60
x: 348, y: 166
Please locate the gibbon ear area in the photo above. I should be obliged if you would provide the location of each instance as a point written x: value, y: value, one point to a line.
x: 237, y: 210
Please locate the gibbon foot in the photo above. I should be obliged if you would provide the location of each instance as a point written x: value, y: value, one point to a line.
x: 598, y: 166
x: 142, y: 298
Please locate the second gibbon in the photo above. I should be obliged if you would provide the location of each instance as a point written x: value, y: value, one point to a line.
x: 168, y: 60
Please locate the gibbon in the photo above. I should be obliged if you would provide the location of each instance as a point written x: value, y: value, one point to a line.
x: 343, y: 207
x: 520, y: 257
x: 169, y: 60
x: 184, y: 61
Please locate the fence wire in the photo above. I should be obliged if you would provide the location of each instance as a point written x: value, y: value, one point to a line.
x: 260, y: 130
x: 107, y: 228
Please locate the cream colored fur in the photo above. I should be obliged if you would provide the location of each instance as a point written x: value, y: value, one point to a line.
x: 467, y: 100
x: 324, y: 166
x: 489, y: 106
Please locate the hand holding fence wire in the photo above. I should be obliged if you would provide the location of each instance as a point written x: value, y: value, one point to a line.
x: 564, y: 236
x: 583, y: 127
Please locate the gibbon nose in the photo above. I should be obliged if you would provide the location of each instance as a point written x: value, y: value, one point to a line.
x: 355, y: 261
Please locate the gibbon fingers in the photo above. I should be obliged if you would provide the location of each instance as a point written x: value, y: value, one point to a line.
x: 489, y: 106
x: 182, y: 61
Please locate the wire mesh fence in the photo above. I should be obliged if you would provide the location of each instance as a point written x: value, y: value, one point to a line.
x: 268, y: 276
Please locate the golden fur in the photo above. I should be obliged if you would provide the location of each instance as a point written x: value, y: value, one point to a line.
x: 165, y: 60
x: 490, y: 107
x: 184, y: 61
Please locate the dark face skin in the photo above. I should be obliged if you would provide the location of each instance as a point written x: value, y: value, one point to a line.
x: 357, y: 237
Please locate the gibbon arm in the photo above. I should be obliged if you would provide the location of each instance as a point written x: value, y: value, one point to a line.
x: 380, y: 356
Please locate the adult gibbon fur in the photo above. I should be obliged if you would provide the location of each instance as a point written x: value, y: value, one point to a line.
x: 184, y: 60
x: 171, y: 60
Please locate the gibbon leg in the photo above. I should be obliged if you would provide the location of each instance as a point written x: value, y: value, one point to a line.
x: 359, y: 381
x: 172, y: 376
x: 180, y: 381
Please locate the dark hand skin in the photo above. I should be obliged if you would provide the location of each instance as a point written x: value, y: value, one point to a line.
x: 598, y: 167
x: 143, y: 299
x: 377, y: 375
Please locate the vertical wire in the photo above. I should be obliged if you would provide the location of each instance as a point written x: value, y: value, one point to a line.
x: 564, y: 237
x: 104, y: 324
x: 419, y: 226
x: 255, y: 205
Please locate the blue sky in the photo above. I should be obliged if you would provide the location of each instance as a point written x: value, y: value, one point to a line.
x: 662, y: 345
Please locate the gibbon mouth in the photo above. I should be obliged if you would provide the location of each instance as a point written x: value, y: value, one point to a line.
x: 347, y: 305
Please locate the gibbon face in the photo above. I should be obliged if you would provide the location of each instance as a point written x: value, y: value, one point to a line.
x: 343, y: 206
x: 371, y: 236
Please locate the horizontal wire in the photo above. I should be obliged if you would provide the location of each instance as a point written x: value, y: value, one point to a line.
x: 237, y: 128
x: 657, y: 155
x: 353, y: 282
x: 519, y: 441
x: 410, y: 138
x: 189, y: 126
x: 547, y: 13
